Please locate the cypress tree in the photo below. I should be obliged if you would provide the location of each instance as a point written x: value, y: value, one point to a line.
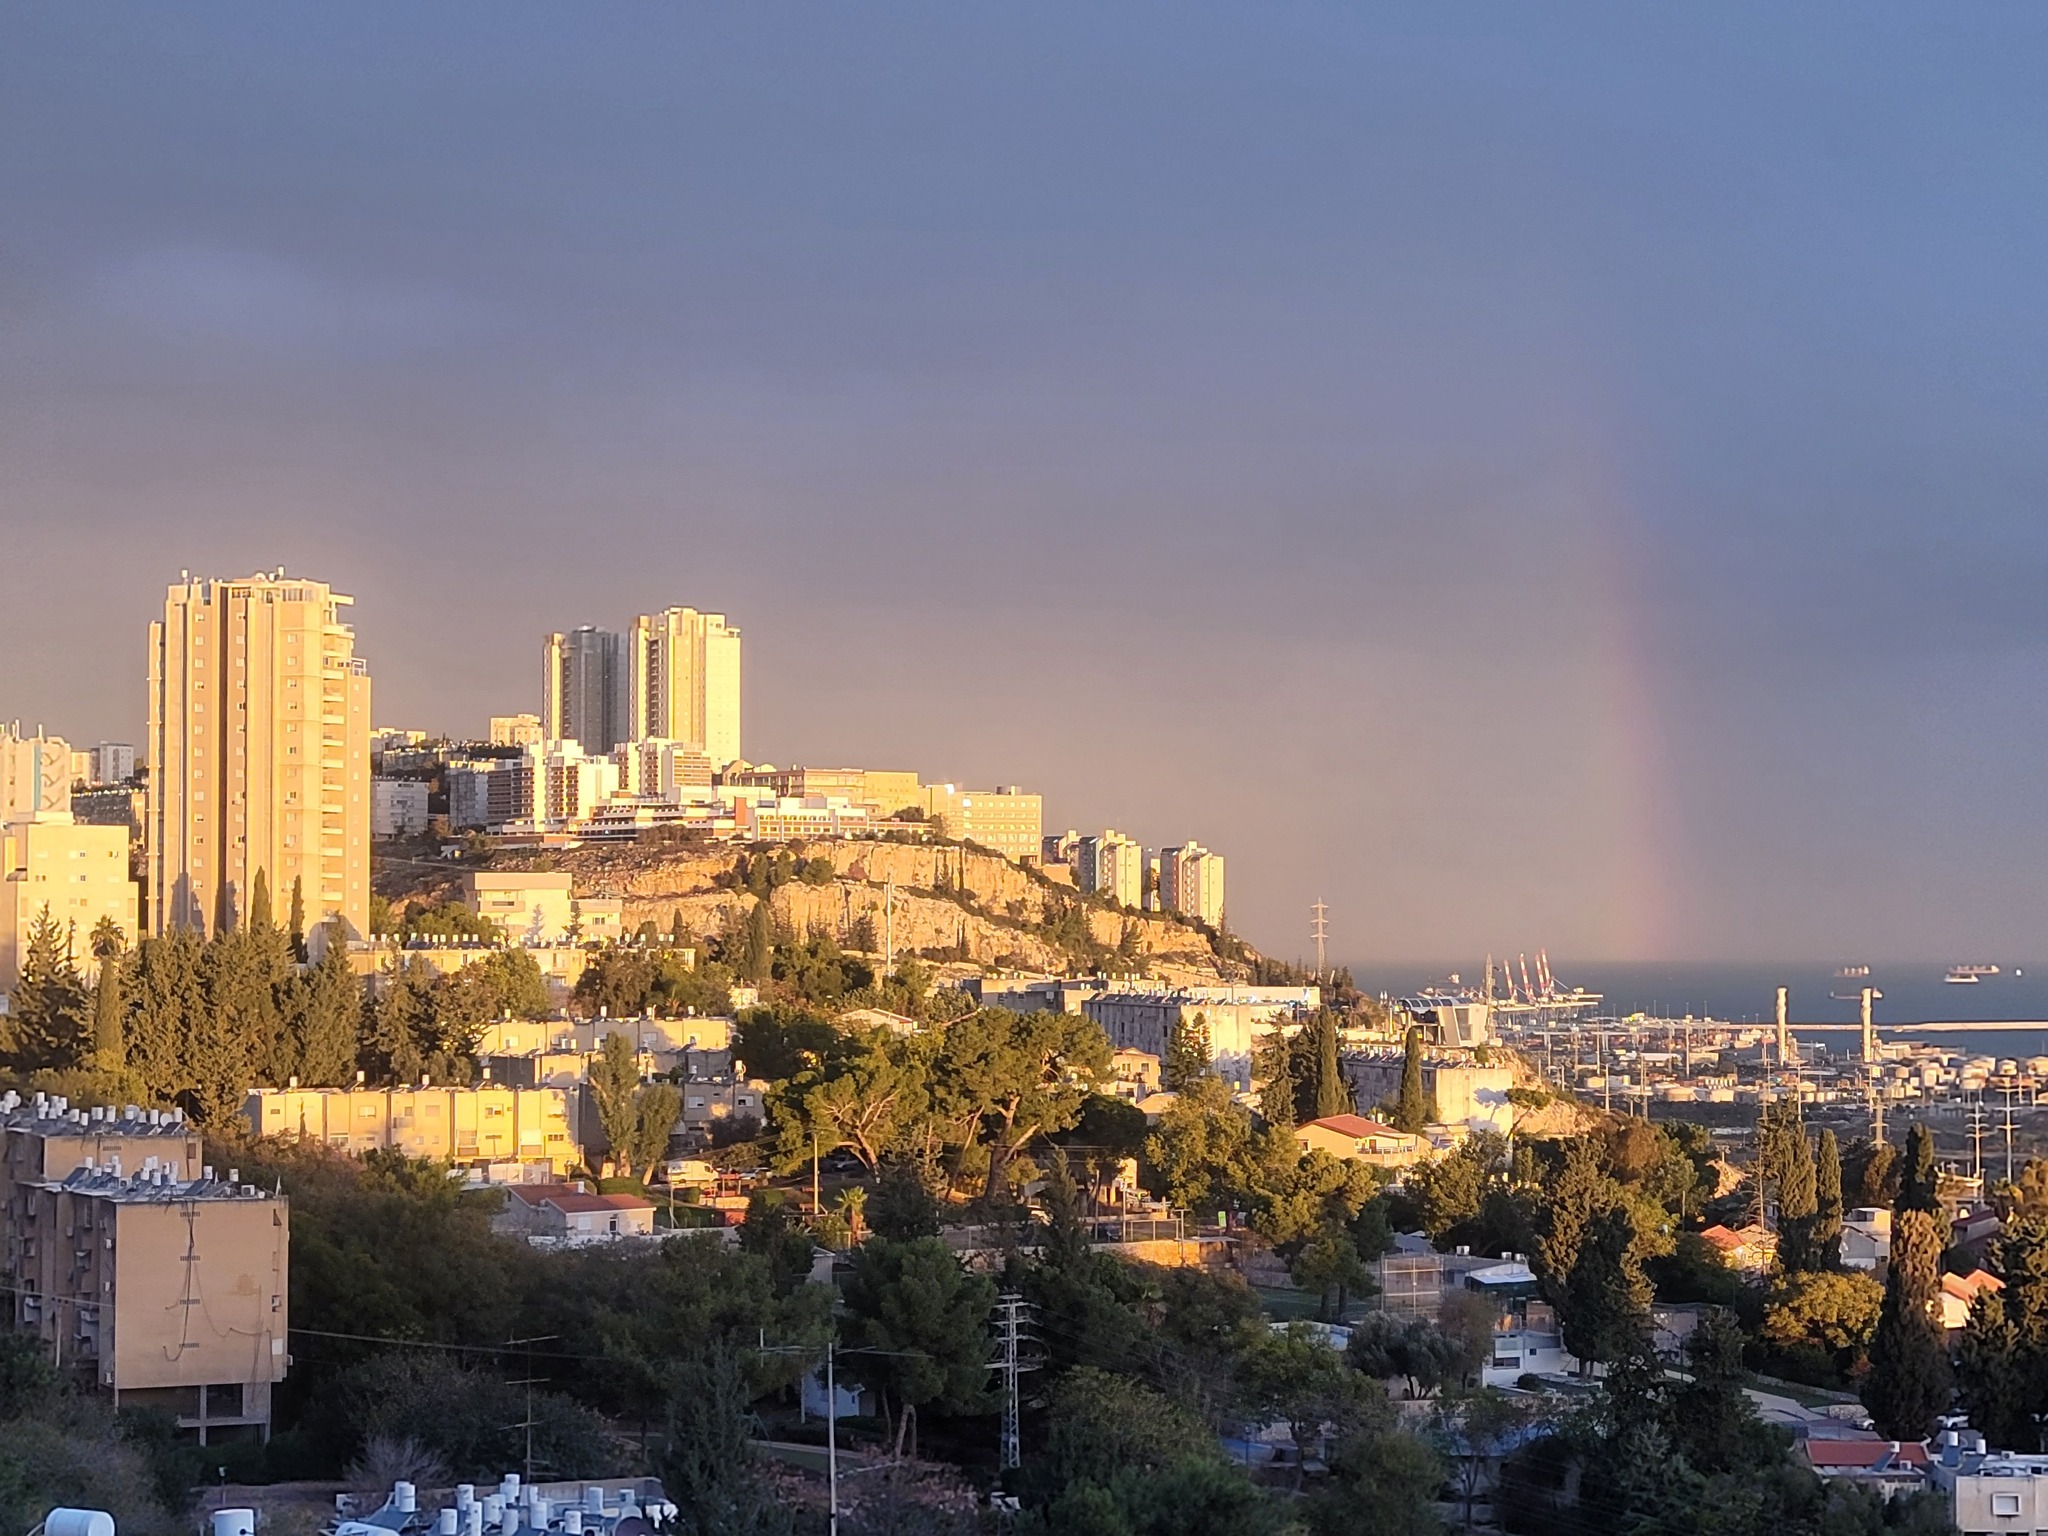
x: 325, y: 1045
x: 1187, y: 1053
x: 757, y: 951
x: 1333, y: 1094
x: 1607, y: 1297
x: 1410, y: 1110
x: 1917, y: 1182
x: 109, y: 1052
x: 1576, y: 1193
x: 259, y: 904
x: 1798, y: 1205
x: 298, y: 918
x: 1908, y: 1382
x: 1825, y: 1249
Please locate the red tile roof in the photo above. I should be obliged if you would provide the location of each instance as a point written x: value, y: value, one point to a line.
x: 571, y: 1201
x: 1866, y: 1453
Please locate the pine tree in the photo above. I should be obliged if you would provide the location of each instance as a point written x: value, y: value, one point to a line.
x: 1918, y: 1181
x: 48, y: 1023
x: 1825, y: 1249
x: 1908, y: 1384
x: 1576, y: 1194
x: 1333, y: 1094
x: 1798, y: 1205
x: 1607, y: 1298
x: 167, y: 999
x: 1187, y: 1053
x: 1410, y: 1110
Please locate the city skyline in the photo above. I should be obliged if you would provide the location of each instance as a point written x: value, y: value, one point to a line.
x: 1516, y: 478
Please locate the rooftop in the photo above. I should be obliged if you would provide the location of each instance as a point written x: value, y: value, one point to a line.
x: 1353, y: 1125
x: 152, y: 1185
x: 50, y: 1115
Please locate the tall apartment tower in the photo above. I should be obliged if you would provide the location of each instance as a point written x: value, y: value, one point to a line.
x: 683, y: 677
x: 583, y: 690
x: 259, y: 754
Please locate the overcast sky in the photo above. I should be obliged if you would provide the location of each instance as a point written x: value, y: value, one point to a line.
x: 1563, y: 476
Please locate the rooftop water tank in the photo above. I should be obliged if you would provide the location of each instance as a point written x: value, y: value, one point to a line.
x: 78, y: 1522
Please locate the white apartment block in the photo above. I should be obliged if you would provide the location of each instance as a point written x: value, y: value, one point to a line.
x: 1110, y: 864
x: 1191, y: 883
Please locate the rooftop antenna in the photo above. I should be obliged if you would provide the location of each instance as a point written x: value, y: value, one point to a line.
x: 1319, y: 930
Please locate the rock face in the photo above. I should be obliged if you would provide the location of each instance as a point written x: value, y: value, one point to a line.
x: 925, y: 895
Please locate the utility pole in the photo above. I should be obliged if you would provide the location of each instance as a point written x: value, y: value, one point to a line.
x: 527, y: 1423
x: 1010, y: 1321
x: 1319, y: 930
x: 832, y: 1437
x: 1977, y: 1140
x: 2008, y: 1092
x: 889, y: 928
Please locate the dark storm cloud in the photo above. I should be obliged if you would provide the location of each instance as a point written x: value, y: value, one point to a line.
x: 1567, y: 477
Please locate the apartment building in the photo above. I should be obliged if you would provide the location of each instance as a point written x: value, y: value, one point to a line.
x: 507, y: 1131
x: 76, y: 872
x: 138, y: 1265
x: 35, y: 773
x: 1112, y: 865
x: 1236, y: 1018
x: 259, y: 748
x: 883, y: 791
x: 398, y: 808
x: 532, y: 907
x: 683, y: 681
x: 1191, y: 883
x: 516, y: 731
x: 583, y: 690
x: 1004, y: 820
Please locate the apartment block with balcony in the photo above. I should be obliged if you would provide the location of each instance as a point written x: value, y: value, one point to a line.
x: 506, y: 1132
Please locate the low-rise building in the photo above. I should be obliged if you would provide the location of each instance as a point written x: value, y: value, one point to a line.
x: 1886, y: 1467
x: 1867, y: 1237
x: 493, y: 1127
x: 1464, y: 1092
x: 1749, y: 1250
x: 1236, y: 1018
x: 1960, y: 1295
x: 1357, y: 1139
x: 112, y: 1229
x: 531, y: 907
x: 572, y: 1213
x: 709, y: 1103
x: 1527, y: 1338
x: 515, y: 731
x: 398, y: 808
x: 1989, y: 1490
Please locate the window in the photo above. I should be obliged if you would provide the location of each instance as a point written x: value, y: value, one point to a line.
x: 2005, y: 1504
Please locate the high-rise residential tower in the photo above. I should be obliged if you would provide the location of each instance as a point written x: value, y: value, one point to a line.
x: 1191, y: 882
x: 583, y: 690
x: 683, y: 680
x: 259, y: 754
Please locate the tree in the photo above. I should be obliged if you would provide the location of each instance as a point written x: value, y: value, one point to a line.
x: 1483, y: 1426
x: 1919, y: 1177
x: 656, y: 1108
x: 1099, y: 1424
x: 863, y: 1098
x: 259, y: 903
x: 1200, y: 1496
x: 1199, y: 1156
x: 1578, y: 1190
x: 757, y: 950
x: 1329, y: 1265
x: 1333, y: 1094
x: 296, y: 925
x: 1824, y: 1315
x: 325, y: 1026
x: 1382, y: 1482
x: 771, y: 1232
x: 1411, y: 1112
x: 47, y: 1023
x: 709, y: 1465
x: 1018, y: 1076
x: 1824, y: 1250
x: 1187, y: 1053
x: 902, y: 1207
x: 109, y: 1049
x: 1798, y: 1204
x: 614, y: 1080
x: 1908, y: 1384
x: 1606, y: 1314
x: 917, y: 1324
x: 2002, y: 1369
x: 1292, y: 1374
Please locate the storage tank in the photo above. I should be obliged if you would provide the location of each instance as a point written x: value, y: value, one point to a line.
x: 232, y: 1522
x: 79, y: 1522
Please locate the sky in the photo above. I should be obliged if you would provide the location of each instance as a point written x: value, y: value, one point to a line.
x: 1561, y: 476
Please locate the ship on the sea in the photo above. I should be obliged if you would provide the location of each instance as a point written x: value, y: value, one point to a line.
x: 1968, y: 975
x: 1852, y: 973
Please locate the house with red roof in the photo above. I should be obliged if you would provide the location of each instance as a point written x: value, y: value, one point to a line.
x: 1887, y: 1466
x: 1358, y: 1139
x: 1749, y: 1250
x: 572, y: 1213
x: 1959, y: 1295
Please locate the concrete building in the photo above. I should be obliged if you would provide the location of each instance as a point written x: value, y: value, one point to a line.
x: 76, y: 872
x: 1005, y: 820
x: 259, y: 750
x: 491, y: 794
x: 583, y: 685
x: 1867, y: 1237
x: 529, y: 908
x: 516, y: 731
x: 683, y: 681
x: 1464, y: 1092
x: 1191, y: 883
x: 570, y: 1213
x: 1237, y: 1018
x: 883, y: 791
x: 112, y: 762
x: 1112, y: 865
x: 658, y: 769
x: 506, y: 1131
x: 1357, y: 1139
x: 1989, y: 1490
x: 137, y: 1264
x: 35, y: 774
x: 398, y: 808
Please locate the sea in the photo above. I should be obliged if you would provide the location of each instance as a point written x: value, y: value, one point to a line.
x: 1910, y: 993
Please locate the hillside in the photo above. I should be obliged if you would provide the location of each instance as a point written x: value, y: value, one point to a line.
x: 974, y: 906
